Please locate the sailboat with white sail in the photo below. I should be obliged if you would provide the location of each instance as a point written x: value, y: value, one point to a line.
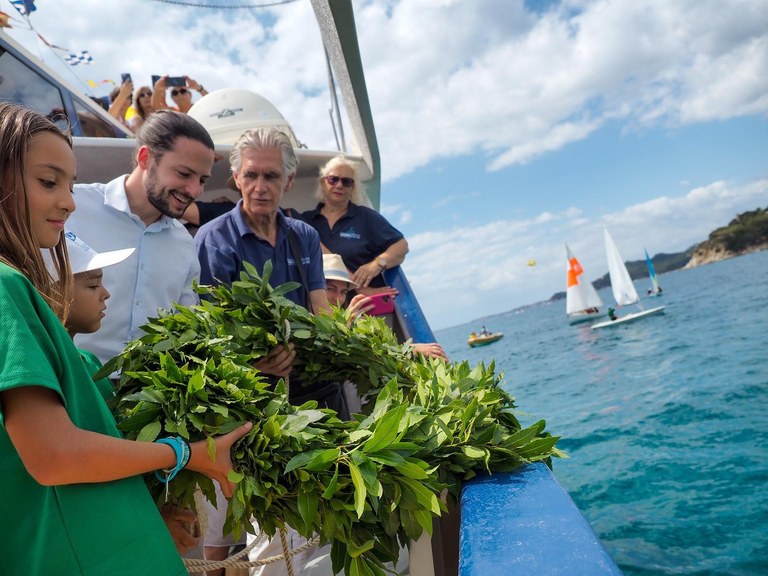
x: 582, y: 302
x: 655, y: 287
x: 623, y: 288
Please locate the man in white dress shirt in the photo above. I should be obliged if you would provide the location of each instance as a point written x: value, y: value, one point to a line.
x: 173, y: 159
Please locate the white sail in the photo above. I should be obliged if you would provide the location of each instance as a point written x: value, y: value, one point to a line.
x: 621, y: 284
x: 580, y: 293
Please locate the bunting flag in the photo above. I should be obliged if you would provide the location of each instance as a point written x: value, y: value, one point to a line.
x: 83, y: 58
x: 4, y: 20
x: 51, y: 45
x: 25, y: 7
x: 93, y: 83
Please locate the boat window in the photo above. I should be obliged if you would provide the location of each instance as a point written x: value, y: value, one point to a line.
x: 21, y: 85
x: 91, y: 124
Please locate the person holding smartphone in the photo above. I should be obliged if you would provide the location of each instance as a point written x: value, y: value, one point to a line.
x: 120, y: 100
x: 339, y: 285
x: 181, y: 92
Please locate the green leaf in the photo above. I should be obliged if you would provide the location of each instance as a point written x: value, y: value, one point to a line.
x: 331, y: 489
x: 355, y: 550
x: 307, y: 502
x: 412, y: 469
x: 386, y: 430
x: 387, y: 457
x: 424, y: 496
x: 315, y: 460
x: 196, y: 383
x: 360, y: 492
x: 323, y: 460
x: 150, y: 432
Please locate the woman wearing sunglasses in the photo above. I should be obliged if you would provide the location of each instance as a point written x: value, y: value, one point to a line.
x: 366, y: 241
x: 142, y: 104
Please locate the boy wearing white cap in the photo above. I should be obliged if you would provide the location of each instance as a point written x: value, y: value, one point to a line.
x: 89, y: 297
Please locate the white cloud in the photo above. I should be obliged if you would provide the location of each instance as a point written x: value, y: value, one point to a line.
x: 453, y: 77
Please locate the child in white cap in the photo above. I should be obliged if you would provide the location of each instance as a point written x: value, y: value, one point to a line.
x: 89, y: 297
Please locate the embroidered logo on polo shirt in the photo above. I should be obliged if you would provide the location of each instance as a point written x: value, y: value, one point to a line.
x: 304, y: 260
x: 349, y: 234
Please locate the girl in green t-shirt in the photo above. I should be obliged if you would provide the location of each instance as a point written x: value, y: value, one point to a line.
x: 73, y: 498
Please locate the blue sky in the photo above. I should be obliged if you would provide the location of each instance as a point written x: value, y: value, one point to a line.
x: 506, y: 128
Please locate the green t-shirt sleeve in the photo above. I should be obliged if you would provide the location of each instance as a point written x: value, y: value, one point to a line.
x: 93, y: 365
x: 27, y: 351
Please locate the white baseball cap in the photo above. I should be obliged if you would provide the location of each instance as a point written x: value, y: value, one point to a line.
x: 83, y: 258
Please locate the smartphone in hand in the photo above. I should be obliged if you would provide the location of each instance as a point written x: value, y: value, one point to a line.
x: 382, y: 304
x: 176, y: 81
x: 126, y: 78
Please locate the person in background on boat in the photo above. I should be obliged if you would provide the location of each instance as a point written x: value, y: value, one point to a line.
x: 75, y: 498
x: 120, y: 100
x: 366, y: 241
x: 172, y: 161
x: 201, y: 212
x: 180, y: 95
x: 484, y: 332
x: 339, y: 285
x: 142, y: 104
x: 612, y: 314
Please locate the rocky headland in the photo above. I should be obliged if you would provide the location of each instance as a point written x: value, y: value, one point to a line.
x: 746, y: 233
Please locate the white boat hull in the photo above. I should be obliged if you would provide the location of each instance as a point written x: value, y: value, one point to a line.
x: 580, y: 317
x: 629, y: 317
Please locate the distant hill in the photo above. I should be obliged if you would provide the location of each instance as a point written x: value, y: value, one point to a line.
x: 637, y: 268
x: 748, y: 232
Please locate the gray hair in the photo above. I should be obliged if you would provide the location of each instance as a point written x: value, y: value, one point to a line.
x: 336, y: 161
x: 261, y: 139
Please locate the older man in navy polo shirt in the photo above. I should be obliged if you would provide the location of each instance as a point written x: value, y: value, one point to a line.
x: 263, y: 166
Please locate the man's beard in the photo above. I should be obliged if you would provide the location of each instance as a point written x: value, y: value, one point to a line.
x: 156, y: 197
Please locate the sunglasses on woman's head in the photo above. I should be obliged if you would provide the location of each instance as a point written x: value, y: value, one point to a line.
x: 345, y: 182
x: 179, y: 91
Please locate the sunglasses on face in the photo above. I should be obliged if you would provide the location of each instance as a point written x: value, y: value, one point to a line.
x: 179, y: 91
x: 345, y: 182
x: 142, y: 94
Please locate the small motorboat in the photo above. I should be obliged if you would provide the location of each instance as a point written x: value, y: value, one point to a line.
x: 483, y: 338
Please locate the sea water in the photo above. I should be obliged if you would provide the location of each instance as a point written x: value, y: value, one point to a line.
x: 665, y: 420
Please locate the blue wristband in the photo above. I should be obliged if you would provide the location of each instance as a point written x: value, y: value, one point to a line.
x: 182, y: 451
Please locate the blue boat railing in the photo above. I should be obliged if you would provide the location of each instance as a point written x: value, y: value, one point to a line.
x: 520, y: 522
x: 412, y: 320
x: 524, y: 522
